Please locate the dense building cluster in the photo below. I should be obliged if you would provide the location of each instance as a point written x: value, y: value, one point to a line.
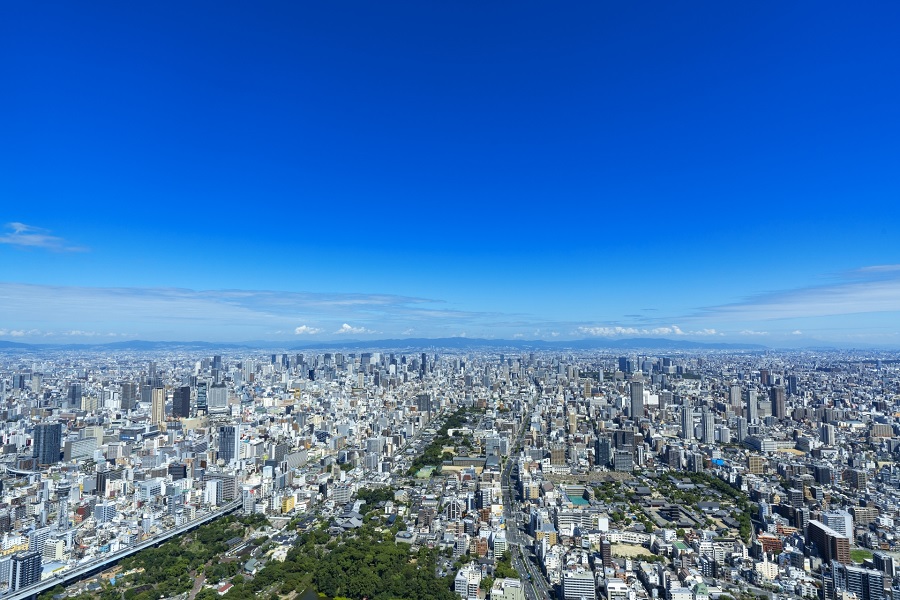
x: 579, y: 475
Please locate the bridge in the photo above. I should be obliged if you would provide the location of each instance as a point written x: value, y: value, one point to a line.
x: 99, y: 565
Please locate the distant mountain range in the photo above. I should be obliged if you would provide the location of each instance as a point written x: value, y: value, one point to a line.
x: 587, y: 344
x: 408, y: 343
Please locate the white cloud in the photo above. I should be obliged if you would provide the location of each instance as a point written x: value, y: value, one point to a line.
x: 306, y: 330
x: 26, y: 236
x: 751, y: 332
x: 618, y: 330
x: 796, y: 332
x: 346, y: 328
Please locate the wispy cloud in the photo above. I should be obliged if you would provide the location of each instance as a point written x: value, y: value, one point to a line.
x: 27, y: 236
x: 866, y: 290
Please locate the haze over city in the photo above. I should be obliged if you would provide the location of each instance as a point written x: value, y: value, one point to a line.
x: 296, y: 173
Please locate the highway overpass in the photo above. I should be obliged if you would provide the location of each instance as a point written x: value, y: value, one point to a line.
x: 93, y: 567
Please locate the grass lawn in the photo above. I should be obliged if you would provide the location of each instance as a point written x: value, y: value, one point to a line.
x: 860, y: 554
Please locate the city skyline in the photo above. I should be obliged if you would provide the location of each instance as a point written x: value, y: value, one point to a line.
x: 299, y: 174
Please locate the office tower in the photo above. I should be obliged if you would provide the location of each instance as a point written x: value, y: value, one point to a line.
x: 25, y: 570
x: 623, y: 460
x: 741, y: 429
x: 764, y: 377
x: 127, y: 395
x: 217, y: 398
x: 181, y: 402
x: 229, y: 439
x: 776, y: 395
x: 202, y: 405
x: 637, y: 400
x: 734, y: 397
x: 157, y: 406
x: 603, y: 451
x: 687, y: 422
x: 665, y: 400
x: 830, y: 544
x: 74, y: 395
x: 827, y: 433
x: 579, y: 585
x: 792, y: 385
x: 708, y: 426
x: 752, y: 407
x: 558, y: 455
x: 47, y: 443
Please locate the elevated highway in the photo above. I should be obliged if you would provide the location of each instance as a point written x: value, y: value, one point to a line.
x: 98, y: 565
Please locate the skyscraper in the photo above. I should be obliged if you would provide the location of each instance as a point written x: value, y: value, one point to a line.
x: 74, y: 395
x: 687, y: 422
x: 202, y: 387
x: 708, y: 426
x: 752, y: 407
x: 734, y: 397
x: 181, y: 402
x: 637, y: 400
x: 127, y: 395
x: 229, y: 438
x: 157, y: 406
x: 776, y: 395
x: 742, y: 430
x: 47, y: 443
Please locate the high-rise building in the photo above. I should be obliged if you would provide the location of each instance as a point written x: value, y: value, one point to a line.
x: 830, y: 544
x: 687, y: 422
x: 792, y: 385
x: 25, y: 570
x: 742, y: 430
x: 128, y: 395
x: 840, y: 521
x: 229, y: 438
x: 202, y: 405
x: 637, y: 400
x: 603, y: 451
x: 827, y: 434
x: 181, y: 402
x: 579, y: 585
x: 734, y: 397
x: 47, y: 443
x: 558, y: 455
x: 864, y: 584
x: 708, y: 426
x: 752, y: 407
x: 74, y: 395
x: 217, y: 399
x: 776, y: 395
x: 157, y: 406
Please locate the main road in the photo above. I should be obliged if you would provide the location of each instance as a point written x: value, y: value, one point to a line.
x: 536, y: 588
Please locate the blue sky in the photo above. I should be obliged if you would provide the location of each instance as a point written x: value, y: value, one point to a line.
x: 316, y: 171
